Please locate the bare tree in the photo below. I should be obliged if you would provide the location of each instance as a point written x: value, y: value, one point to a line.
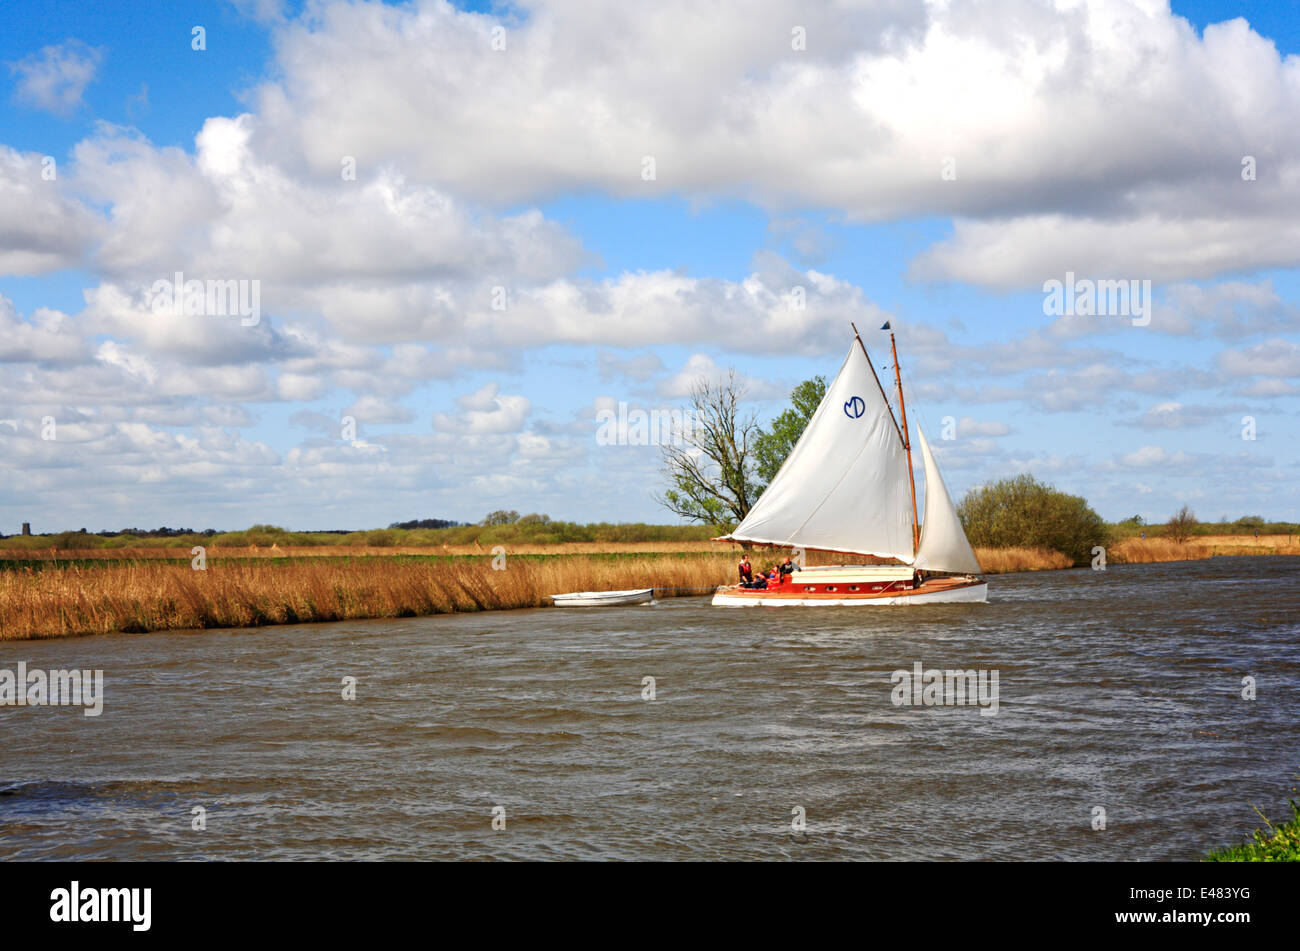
x: 1180, y: 526
x: 708, y: 460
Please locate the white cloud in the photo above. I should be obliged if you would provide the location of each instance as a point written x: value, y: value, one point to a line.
x: 259, y: 222
x: 300, y: 388
x: 55, y: 78
x: 486, y: 411
x: 969, y: 426
x: 644, y: 308
x: 701, y: 366
x: 1269, y: 388
x: 114, y: 354
x: 1152, y: 457
x: 372, y: 409
x: 1024, y: 252
x: 1228, y: 309
x: 47, y: 338
x: 1277, y: 357
x: 1170, y: 414
x: 42, y: 228
x: 1102, y: 135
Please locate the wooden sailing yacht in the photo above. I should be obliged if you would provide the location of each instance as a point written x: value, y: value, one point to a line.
x: 847, y: 486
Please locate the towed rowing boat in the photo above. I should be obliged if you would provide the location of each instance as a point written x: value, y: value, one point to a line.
x: 593, y: 599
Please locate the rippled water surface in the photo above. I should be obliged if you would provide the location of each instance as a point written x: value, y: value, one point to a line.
x: 1118, y: 689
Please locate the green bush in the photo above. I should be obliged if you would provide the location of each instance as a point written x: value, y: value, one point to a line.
x: 1023, y: 512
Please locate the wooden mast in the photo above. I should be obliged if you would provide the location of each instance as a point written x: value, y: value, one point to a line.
x: 907, y: 441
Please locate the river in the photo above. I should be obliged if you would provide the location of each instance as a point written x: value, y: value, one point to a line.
x: 1118, y: 690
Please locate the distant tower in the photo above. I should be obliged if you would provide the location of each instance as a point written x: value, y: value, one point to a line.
x: 27, y: 528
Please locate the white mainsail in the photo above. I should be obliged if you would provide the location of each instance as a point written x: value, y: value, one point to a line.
x: 844, y: 485
x: 944, y: 546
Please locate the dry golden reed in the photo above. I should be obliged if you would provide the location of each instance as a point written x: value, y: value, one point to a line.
x: 997, y: 561
x: 1145, y: 550
x: 157, y: 595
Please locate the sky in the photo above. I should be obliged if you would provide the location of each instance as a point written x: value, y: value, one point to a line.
x: 461, y: 232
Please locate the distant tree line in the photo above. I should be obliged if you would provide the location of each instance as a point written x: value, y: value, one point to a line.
x: 426, y: 523
x: 1019, y: 512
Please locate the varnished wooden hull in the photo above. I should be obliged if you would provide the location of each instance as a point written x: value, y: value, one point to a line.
x: 797, y: 594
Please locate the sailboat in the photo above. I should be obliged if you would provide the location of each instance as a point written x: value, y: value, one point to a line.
x: 847, y: 486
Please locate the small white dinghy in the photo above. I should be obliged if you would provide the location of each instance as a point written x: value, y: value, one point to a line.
x: 595, y: 599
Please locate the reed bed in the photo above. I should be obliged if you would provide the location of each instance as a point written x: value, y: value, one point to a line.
x: 1145, y: 550
x: 155, y: 595
x: 997, y: 561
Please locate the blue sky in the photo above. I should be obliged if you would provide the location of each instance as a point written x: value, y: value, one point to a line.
x: 1103, y: 138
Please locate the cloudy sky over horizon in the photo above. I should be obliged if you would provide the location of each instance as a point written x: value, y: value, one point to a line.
x: 472, y: 227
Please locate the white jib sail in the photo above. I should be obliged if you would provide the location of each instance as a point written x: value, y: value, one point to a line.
x: 844, y: 485
x: 944, y: 546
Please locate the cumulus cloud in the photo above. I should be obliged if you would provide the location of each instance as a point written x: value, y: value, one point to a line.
x: 54, y: 78
x: 373, y: 409
x: 776, y: 309
x: 1150, y: 457
x: 1103, y: 135
x: 1157, y: 458
x: 42, y: 228
x: 969, y: 426
x: 1273, y: 358
x: 701, y: 366
x: 48, y: 338
x: 486, y: 411
x: 227, y: 212
x: 1228, y: 309
x: 1026, y: 251
x: 1170, y: 414
x: 579, y: 95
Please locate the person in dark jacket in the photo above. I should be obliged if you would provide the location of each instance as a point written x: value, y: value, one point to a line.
x: 746, y: 571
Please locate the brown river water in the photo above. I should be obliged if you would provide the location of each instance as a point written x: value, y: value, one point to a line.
x: 1119, y: 690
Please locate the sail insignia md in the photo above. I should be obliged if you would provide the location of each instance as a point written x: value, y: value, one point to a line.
x: 847, y: 486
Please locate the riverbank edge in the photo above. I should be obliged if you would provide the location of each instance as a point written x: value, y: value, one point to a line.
x: 1280, y: 844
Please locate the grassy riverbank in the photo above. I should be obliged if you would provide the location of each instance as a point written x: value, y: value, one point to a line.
x: 60, y: 593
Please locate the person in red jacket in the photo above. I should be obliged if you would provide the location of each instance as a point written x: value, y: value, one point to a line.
x: 746, y: 571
